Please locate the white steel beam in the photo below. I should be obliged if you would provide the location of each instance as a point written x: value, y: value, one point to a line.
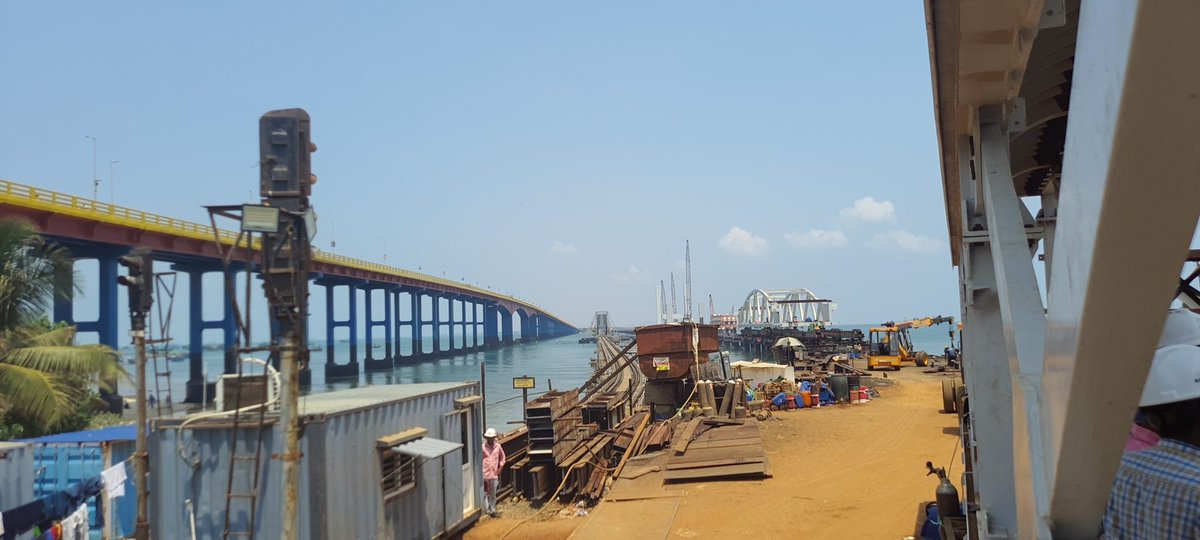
x: 1024, y: 322
x: 985, y: 368
x: 1127, y: 210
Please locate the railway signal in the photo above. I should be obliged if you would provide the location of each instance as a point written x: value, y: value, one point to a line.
x: 140, y: 282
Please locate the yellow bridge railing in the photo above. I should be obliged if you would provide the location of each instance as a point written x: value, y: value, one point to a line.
x: 22, y: 195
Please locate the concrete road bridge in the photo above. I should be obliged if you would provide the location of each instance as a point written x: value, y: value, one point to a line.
x: 104, y: 232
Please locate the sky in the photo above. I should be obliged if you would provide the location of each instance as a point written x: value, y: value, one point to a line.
x: 561, y: 152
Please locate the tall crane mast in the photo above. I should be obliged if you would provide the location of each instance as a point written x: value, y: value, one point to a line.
x: 687, y: 280
x: 674, y: 309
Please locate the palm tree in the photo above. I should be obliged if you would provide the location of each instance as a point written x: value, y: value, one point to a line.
x: 44, y: 375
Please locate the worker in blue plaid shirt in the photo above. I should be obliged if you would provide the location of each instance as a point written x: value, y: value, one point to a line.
x: 1156, y: 493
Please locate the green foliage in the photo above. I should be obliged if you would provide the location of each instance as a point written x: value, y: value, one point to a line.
x: 9, y: 432
x: 45, y: 378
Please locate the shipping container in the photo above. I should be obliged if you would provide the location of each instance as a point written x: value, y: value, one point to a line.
x: 394, y: 461
x: 66, y: 459
x: 16, y: 474
x: 668, y: 351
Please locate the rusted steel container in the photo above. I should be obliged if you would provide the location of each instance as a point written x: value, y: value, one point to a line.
x: 668, y: 351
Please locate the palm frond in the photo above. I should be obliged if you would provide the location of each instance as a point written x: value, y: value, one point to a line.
x: 40, y: 397
x: 32, y: 272
x: 81, y: 361
x: 36, y: 336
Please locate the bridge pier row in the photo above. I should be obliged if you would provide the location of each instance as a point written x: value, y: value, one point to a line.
x: 476, y: 345
x: 548, y: 328
x: 395, y: 323
x: 370, y: 363
x: 491, y: 327
x: 227, y: 324
x: 415, y: 324
x: 450, y: 324
x: 105, y: 325
x: 469, y: 333
x: 462, y: 325
x: 506, y: 327
x: 333, y: 370
x: 436, y: 321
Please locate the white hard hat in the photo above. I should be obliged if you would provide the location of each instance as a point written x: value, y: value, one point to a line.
x: 1174, y: 376
x: 491, y: 432
x: 1182, y: 328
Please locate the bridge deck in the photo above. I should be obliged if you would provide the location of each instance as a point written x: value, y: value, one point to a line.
x: 70, y: 216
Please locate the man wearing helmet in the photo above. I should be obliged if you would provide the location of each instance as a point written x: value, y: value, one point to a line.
x: 1156, y: 493
x: 493, y: 463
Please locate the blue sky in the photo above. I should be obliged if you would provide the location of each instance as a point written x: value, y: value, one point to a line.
x: 561, y: 152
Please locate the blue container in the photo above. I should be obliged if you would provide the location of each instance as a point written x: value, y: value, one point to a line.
x: 66, y: 459
x: 799, y: 402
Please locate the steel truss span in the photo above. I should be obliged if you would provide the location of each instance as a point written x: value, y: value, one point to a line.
x: 784, y: 307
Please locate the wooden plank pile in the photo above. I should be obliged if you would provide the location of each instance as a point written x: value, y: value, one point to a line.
x: 709, y: 448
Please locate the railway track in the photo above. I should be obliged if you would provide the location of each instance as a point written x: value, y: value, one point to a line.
x: 629, y: 380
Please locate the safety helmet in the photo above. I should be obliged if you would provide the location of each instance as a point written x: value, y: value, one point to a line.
x: 1182, y: 328
x: 1175, y: 371
x: 491, y: 432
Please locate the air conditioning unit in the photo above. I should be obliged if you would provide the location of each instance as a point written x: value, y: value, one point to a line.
x: 253, y: 390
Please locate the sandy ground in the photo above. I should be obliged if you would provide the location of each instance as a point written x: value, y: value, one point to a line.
x: 854, y: 470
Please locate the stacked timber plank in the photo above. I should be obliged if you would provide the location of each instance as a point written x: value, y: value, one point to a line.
x: 708, y: 448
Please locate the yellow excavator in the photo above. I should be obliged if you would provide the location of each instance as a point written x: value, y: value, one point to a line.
x: 889, y: 345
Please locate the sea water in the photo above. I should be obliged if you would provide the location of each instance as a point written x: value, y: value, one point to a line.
x: 562, y: 362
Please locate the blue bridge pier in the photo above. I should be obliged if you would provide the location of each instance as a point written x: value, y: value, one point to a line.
x: 386, y: 324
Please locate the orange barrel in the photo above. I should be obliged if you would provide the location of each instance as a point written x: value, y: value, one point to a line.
x: 807, y: 398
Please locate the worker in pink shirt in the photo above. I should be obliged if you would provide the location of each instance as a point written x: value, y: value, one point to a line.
x: 493, y: 463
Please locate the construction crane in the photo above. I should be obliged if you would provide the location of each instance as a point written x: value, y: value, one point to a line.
x: 687, y: 280
x: 890, y: 344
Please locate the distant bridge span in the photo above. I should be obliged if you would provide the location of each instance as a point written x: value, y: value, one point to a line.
x: 102, y: 231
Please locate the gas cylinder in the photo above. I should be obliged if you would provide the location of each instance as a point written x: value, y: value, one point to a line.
x: 946, y: 494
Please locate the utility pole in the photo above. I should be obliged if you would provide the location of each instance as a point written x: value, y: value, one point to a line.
x: 285, y: 183
x: 140, y: 282
x: 95, y: 175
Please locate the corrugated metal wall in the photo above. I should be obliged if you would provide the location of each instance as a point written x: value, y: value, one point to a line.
x: 339, y: 495
x: 16, y: 474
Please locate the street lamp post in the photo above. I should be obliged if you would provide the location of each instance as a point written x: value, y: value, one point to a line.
x: 95, y: 176
x: 112, y: 180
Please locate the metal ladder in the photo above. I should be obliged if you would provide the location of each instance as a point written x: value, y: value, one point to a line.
x: 160, y: 347
x: 249, y: 425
